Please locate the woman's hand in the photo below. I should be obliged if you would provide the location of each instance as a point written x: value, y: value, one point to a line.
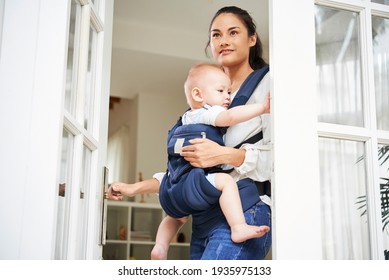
x: 202, y: 153
x: 118, y: 189
x: 205, y: 153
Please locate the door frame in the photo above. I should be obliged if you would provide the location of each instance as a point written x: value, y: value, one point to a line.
x: 295, y: 185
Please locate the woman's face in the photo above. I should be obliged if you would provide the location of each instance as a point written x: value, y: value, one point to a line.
x: 230, y: 43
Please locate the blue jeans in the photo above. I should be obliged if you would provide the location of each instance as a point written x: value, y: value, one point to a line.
x: 219, y: 246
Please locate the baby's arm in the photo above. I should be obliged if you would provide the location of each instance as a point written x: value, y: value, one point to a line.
x: 243, y: 113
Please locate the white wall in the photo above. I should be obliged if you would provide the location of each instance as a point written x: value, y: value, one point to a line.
x: 124, y: 113
x: 157, y: 114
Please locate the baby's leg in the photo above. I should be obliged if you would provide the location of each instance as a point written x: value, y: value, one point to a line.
x: 166, y: 231
x: 232, y: 209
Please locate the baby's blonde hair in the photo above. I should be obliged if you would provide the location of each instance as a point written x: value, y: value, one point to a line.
x: 196, y: 77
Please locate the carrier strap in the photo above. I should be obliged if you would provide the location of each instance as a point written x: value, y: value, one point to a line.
x: 248, y: 86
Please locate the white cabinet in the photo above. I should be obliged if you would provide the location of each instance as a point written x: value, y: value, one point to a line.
x: 132, y: 228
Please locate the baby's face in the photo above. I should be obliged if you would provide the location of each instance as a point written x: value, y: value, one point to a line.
x: 217, y: 89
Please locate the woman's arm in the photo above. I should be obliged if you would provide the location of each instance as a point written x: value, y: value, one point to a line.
x: 206, y: 153
x: 118, y: 189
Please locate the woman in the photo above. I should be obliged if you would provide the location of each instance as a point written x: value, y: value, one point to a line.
x: 236, y: 47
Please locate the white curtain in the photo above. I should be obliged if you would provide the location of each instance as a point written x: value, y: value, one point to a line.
x: 118, y: 155
x: 342, y: 179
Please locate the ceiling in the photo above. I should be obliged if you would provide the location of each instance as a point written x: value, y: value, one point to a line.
x: 155, y: 42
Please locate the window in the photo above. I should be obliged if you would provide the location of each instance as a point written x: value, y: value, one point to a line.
x: 352, y: 87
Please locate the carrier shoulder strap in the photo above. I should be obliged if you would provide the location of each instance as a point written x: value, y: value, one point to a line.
x: 244, y: 93
x: 249, y: 85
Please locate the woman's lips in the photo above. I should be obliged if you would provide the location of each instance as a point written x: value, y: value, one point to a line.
x: 226, y: 51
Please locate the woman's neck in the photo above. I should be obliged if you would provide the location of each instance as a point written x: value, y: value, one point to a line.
x: 237, y: 75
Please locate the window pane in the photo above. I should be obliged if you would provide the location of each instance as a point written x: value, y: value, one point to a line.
x: 342, y: 181
x: 338, y: 65
x: 90, y: 90
x: 383, y: 157
x: 64, y: 194
x: 70, y: 74
x: 381, y: 70
x: 385, y: 2
x: 83, y: 203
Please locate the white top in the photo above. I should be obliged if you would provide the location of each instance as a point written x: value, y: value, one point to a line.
x: 206, y: 115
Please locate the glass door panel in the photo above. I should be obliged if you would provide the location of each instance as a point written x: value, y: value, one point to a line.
x: 90, y: 90
x: 72, y: 58
x: 64, y: 194
x: 380, y: 33
x: 343, y: 192
x: 338, y: 64
x: 383, y: 157
x: 385, y: 2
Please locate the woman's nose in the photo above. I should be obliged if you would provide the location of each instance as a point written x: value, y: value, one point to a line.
x: 223, y: 41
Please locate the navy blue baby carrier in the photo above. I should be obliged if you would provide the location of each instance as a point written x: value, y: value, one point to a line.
x: 185, y: 190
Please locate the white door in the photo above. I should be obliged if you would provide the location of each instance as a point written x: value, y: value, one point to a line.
x: 84, y: 137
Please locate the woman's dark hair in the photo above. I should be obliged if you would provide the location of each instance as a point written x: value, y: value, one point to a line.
x: 255, y: 57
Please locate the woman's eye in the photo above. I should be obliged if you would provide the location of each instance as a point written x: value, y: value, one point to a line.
x: 215, y: 35
x: 233, y: 33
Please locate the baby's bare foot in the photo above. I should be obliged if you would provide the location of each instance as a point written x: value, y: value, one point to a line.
x: 241, y: 233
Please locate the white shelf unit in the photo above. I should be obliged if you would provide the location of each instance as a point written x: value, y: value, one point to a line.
x: 132, y: 228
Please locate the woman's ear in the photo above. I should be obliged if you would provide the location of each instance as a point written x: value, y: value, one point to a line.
x: 197, y: 94
x: 253, y: 40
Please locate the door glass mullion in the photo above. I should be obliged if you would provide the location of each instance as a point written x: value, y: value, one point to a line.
x: 75, y: 128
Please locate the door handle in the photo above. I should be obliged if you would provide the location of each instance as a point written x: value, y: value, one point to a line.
x: 104, y: 196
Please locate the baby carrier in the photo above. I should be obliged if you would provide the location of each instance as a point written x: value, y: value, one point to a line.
x: 184, y: 189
